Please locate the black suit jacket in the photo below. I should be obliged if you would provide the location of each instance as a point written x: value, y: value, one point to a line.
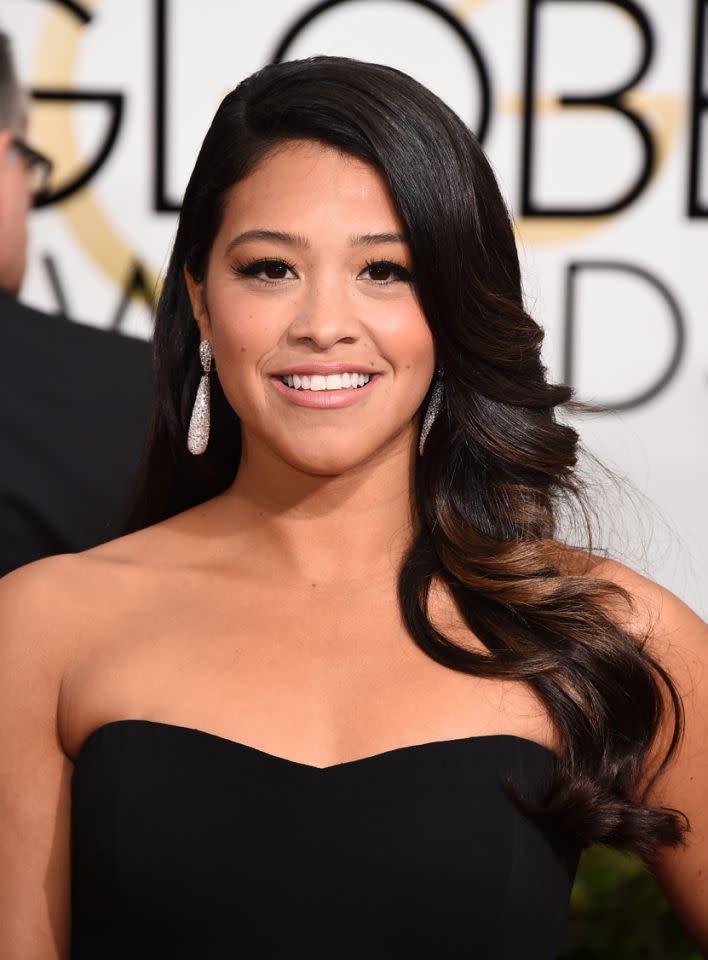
x: 74, y: 410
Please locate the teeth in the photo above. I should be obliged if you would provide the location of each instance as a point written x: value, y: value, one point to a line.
x: 335, y: 381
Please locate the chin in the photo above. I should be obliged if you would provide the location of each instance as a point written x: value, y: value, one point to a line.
x: 324, y: 462
x: 325, y: 466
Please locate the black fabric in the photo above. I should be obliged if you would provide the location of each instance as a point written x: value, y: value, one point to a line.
x: 74, y: 409
x: 185, y: 844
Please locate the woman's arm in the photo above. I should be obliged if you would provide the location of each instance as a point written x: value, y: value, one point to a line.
x: 34, y: 771
x: 679, y: 642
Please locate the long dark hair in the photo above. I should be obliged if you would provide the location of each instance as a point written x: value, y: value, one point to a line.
x: 498, y: 465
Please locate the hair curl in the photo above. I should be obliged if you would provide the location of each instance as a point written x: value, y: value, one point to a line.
x: 497, y: 465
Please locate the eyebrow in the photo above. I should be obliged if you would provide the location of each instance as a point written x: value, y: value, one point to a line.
x: 297, y: 240
x: 278, y: 236
x: 369, y: 239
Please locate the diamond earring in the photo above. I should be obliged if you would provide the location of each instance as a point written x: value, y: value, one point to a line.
x: 198, y: 433
x: 431, y: 413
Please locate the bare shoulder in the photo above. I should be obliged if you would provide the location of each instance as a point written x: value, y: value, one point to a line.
x: 647, y: 609
x: 46, y: 612
x: 48, y: 593
x: 52, y: 608
x: 36, y: 601
x: 35, y: 607
x: 50, y: 611
x: 677, y: 638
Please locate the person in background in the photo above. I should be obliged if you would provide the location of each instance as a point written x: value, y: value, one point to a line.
x: 74, y: 399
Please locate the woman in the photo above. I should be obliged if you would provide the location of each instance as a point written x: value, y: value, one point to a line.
x: 343, y: 692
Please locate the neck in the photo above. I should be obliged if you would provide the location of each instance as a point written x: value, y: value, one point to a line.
x: 325, y: 529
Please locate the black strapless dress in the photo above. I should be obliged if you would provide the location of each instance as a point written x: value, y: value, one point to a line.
x: 186, y: 844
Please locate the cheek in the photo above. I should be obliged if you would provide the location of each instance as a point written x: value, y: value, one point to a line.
x: 244, y: 331
x: 410, y: 341
x: 423, y: 343
x: 233, y: 354
x: 417, y: 348
x: 240, y: 325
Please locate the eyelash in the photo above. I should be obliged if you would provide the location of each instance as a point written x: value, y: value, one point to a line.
x: 399, y: 272
x: 255, y: 267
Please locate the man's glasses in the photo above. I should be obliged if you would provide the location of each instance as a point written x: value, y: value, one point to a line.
x: 38, y: 166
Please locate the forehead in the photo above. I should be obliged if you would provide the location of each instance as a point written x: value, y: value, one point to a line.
x: 303, y: 183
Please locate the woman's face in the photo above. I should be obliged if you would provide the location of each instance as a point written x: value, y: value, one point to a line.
x: 319, y: 341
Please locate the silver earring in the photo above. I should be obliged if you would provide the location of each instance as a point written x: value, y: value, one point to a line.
x: 198, y: 433
x: 431, y: 413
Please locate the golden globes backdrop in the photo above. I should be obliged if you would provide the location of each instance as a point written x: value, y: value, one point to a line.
x: 593, y: 112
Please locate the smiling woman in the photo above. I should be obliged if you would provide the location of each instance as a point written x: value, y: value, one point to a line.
x: 320, y: 298
x: 343, y: 690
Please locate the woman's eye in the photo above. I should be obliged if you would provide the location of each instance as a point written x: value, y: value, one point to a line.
x: 267, y: 269
x: 385, y: 272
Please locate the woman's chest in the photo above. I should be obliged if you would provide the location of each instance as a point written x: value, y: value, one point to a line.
x: 183, y: 841
x: 314, y: 674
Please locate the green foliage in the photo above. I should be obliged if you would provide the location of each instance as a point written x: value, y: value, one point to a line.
x: 618, y: 912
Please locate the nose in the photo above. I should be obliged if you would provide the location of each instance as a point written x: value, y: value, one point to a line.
x: 324, y: 317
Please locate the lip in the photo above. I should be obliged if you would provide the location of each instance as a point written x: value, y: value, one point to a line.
x: 325, y: 399
x: 325, y: 369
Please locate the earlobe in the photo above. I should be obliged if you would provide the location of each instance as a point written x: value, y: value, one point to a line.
x: 7, y: 183
x: 196, y: 298
x: 5, y: 141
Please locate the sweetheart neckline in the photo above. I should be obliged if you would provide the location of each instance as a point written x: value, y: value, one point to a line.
x: 407, y: 748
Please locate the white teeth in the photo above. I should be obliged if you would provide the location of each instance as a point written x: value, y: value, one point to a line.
x: 335, y: 381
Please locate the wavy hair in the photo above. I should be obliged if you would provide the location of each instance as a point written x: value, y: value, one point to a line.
x: 498, y: 466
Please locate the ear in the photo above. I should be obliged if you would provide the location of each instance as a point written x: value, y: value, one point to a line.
x: 198, y: 301
x: 5, y: 141
x: 7, y: 182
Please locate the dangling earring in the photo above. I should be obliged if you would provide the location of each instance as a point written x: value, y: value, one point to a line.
x: 198, y: 434
x: 433, y: 410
